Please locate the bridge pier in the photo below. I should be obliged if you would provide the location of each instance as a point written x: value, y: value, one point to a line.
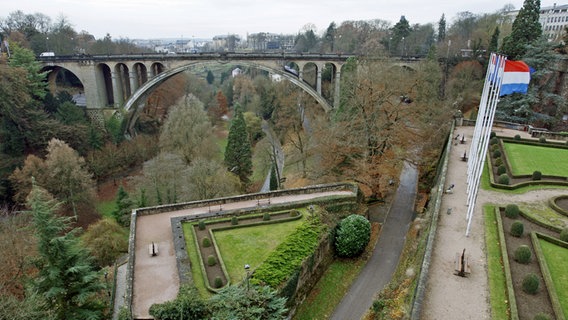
x: 133, y: 80
x: 116, y: 89
x: 336, y: 98
x: 318, y: 81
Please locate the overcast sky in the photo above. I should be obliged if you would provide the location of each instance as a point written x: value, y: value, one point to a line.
x: 135, y: 19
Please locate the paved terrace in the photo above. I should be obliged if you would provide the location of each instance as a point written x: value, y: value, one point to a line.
x: 156, y: 279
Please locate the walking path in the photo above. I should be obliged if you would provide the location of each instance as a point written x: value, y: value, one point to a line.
x: 382, y: 264
x: 452, y: 297
x: 156, y: 278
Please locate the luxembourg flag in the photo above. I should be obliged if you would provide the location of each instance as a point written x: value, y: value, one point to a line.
x: 516, y: 78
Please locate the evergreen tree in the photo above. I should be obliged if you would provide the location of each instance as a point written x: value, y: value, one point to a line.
x: 273, y: 179
x: 66, y: 277
x: 123, y: 207
x: 526, y: 30
x: 494, y: 42
x: 238, y: 154
x: 442, y: 28
x: 210, y: 77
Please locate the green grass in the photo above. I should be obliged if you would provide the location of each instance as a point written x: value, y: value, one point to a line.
x: 329, y: 290
x: 497, y: 284
x: 251, y: 245
x: 105, y: 208
x: 556, y: 258
x: 194, y: 258
x: 525, y: 159
x: 542, y: 212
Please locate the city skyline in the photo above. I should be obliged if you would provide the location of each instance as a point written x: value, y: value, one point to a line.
x: 149, y: 19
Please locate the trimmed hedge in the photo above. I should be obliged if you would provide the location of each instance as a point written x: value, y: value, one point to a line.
x: 206, y: 242
x: 537, y: 175
x: 501, y: 169
x: 289, y: 254
x: 531, y: 283
x: 211, y: 260
x: 517, y: 229
x: 503, y: 179
x: 564, y: 235
x: 201, y: 225
x: 523, y: 254
x: 512, y: 211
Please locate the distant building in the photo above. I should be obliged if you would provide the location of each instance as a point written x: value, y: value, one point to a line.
x: 236, y: 72
x: 265, y: 41
x: 554, y: 21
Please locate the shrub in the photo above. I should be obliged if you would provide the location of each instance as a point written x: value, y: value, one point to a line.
x: 498, y: 161
x: 496, y: 153
x: 523, y: 254
x: 234, y: 221
x: 187, y: 305
x: 537, y: 175
x: 352, y: 235
x: 201, y: 225
x: 211, y: 260
x: 503, y: 179
x: 517, y: 229
x: 542, y: 316
x: 494, y: 141
x: 512, y: 211
x: 206, y: 242
x: 492, y: 135
x: 294, y: 213
x: 494, y: 147
x: 542, y: 140
x: 517, y: 137
x: 501, y: 170
x: 531, y: 283
x: 379, y: 305
x: 564, y: 235
x: 266, y: 216
x: 218, y: 282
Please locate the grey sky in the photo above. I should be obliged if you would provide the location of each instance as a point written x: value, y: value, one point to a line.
x: 206, y: 18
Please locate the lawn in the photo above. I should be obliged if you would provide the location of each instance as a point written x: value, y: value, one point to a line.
x: 525, y: 159
x: 556, y: 258
x: 497, y: 283
x: 251, y: 245
x: 105, y: 208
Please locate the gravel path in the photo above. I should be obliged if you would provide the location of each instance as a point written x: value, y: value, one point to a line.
x: 449, y: 296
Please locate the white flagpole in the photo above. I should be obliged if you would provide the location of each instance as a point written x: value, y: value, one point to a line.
x: 482, y: 131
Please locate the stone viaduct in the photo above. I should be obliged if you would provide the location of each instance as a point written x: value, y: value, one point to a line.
x: 125, y: 81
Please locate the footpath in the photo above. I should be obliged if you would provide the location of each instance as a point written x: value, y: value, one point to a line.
x: 382, y: 264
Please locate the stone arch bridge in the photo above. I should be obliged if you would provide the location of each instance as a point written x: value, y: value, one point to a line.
x: 125, y: 81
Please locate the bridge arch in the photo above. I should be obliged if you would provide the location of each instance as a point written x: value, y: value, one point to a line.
x: 136, y: 102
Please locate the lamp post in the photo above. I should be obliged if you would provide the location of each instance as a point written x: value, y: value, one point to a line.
x: 247, y: 269
x: 46, y: 44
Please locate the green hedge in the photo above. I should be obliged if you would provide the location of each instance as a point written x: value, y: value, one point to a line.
x: 288, y: 256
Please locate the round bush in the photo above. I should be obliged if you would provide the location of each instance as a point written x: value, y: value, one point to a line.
x: 266, y: 216
x: 494, y: 147
x: 206, y: 242
x: 201, y: 225
x: 211, y: 260
x: 542, y: 140
x: 498, y: 161
x: 531, y: 283
x: 496, y: 153
x: 542, y: 316
x: 517, y: 137
x: 503, y: 179
x: 537, y: 175
x: 564, y: 235
x: 294, y: 213
x: 523, y: 254
x: 218, y: 282
x: 512, y: 211
x: 352, y: 236
x: 492, y: 135
x: 501, y: 169
x: 234, y: 221
x: 517, y: 229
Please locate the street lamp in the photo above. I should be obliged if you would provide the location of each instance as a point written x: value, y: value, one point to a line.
x: 247, y: 269
x: 46, y: 44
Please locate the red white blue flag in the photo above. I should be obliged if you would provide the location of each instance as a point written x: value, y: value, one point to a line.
x: 516, y: 78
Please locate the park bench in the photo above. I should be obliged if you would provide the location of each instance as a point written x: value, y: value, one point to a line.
x: 461, y: 264
x: 153, y: 249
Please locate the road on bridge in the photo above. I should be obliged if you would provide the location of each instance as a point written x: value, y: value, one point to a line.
x: 382, y: 264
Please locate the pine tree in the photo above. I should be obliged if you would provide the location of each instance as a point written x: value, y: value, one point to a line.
x: 442, y: 28
x: 238, y: 154
x: 123, y: 207
x: 526, y: 30
x: 273, y: 179
x: 494, y: 42
x: 67, y: 278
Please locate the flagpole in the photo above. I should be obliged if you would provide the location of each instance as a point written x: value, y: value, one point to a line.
x: 482, y: 131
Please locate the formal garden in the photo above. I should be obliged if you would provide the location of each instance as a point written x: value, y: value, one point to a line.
x: 527, y: 243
